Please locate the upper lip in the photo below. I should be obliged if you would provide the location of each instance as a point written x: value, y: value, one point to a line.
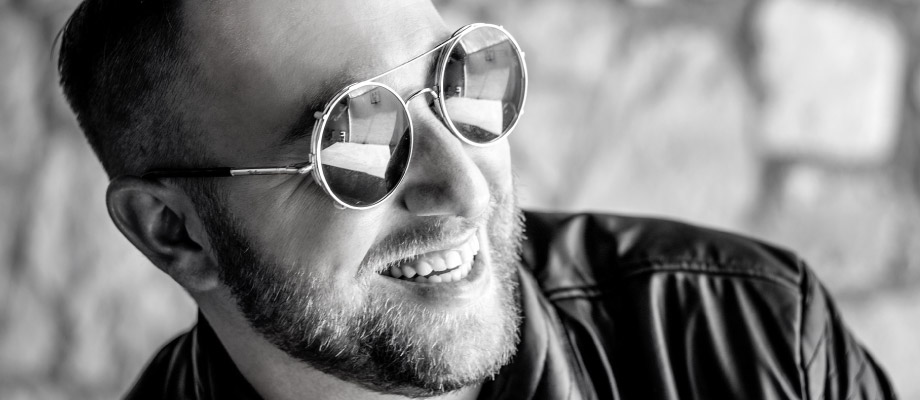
x: 411, y: 256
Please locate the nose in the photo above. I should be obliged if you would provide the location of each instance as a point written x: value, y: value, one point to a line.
x: 442, y: 180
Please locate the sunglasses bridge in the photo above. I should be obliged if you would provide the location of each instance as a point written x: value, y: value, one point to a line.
x: 432, y: 90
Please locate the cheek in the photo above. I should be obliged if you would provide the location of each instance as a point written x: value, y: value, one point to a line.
x: 495, y: 164
x: 298, y: 228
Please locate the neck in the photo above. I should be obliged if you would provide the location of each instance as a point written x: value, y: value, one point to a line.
x: 277, y: 376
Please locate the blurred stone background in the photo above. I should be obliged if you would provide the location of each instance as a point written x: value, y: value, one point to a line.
x: 797, y: 121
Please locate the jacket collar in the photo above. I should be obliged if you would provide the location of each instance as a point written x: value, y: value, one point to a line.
x: 541, y: 369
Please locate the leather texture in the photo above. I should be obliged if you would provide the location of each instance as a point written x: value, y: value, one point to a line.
x: 629, y: 308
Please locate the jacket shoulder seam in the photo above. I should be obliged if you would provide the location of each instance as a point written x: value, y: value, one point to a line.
x: 661, y: 265
x: 741, y: 268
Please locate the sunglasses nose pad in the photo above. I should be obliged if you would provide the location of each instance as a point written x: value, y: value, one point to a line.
x: 338, y: 205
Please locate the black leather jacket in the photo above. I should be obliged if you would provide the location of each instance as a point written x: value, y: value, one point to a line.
x: 630, y: 308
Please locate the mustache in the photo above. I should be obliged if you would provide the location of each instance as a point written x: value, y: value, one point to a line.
x: 437, y: 233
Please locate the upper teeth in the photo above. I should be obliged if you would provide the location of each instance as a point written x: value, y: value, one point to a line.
x: 439, y: 266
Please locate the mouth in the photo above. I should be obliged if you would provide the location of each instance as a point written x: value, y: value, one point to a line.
x: 443, y: 266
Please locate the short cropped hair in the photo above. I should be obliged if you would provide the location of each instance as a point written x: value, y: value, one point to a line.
x: 125, y: 72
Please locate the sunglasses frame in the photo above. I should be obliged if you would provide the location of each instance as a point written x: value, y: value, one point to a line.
x: 443, y: 59
x: 317, y: 139
x: 315, y: 159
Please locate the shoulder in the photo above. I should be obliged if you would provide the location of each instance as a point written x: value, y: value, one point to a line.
x: 638, y: 294
x: 673, y: 306
x: 589, y: 253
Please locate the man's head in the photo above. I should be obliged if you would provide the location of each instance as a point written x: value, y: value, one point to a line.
x: 159, y: 83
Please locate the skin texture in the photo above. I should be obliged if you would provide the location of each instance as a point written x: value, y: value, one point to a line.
x: 260, y: 66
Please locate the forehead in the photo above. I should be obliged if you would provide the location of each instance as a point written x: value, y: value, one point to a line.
x: 260, y: 62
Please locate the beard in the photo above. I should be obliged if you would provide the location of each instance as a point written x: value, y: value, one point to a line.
x: 380, y: 342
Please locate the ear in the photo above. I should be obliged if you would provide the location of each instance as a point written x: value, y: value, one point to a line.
x: 161, y: 221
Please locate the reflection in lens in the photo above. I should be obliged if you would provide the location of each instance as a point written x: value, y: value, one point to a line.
x: 365, y: 145
x: 483, y: 84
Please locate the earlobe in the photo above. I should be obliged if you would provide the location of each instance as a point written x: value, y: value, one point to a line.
x: 161, y: 221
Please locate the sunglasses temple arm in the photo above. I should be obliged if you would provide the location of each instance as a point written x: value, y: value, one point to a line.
x: 226, y: 172
x: 271, y: 171
x: 188, y: 173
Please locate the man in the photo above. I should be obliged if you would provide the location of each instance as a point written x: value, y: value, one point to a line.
x: 330, y: 181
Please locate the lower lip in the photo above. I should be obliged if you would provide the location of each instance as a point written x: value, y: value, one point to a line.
x: 448, y: 294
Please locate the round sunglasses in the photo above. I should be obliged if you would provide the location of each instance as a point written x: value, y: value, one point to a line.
x: 362, y: 141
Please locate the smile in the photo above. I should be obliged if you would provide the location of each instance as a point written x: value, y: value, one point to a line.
x: 442, y: 266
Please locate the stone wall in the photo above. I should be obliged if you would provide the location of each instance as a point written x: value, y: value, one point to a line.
x: 793, y: 120
x: 81, y: 311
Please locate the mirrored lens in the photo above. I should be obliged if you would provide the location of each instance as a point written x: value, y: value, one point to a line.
x: 365, y: 144
x: 483, y: 84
